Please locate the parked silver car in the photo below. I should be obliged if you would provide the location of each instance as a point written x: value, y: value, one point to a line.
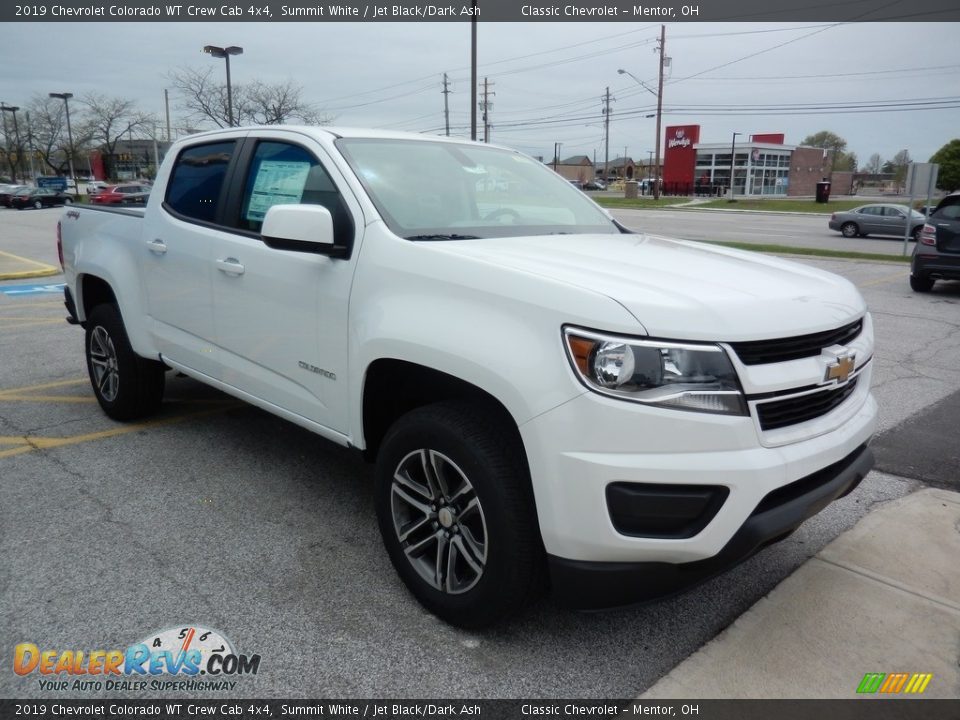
x: 877, y: 220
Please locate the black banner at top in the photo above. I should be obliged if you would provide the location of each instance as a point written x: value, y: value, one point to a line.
x: 383, y: 709
x: 623, y: 11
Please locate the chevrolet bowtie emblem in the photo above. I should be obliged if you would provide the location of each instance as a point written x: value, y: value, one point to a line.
x: 841, y: 369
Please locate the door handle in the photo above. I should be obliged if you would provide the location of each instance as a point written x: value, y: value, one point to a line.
x: 230, y: 266
x: 157, y: 246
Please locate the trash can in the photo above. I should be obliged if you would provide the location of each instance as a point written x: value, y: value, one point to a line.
x: 630, y: 189
x: 823, y: 191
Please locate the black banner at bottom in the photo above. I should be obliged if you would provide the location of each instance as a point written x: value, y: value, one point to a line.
x: 873, y: 708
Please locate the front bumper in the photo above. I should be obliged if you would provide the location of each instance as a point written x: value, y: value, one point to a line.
x: 597, y: 585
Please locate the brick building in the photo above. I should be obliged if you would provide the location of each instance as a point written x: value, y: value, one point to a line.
x: 763, y: 165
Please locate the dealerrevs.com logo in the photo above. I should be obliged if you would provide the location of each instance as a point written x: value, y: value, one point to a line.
x: 183, y: 659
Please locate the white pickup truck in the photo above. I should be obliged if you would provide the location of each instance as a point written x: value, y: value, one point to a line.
x: 552, y: 401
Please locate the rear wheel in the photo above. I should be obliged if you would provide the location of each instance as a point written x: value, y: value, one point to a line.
x: 37, y: 204
x: 127, y: 386
x: 456, y: 514
x: 916, y: 233
x: 67, y: 201
x: 849, y: 230
x: 921, y: 283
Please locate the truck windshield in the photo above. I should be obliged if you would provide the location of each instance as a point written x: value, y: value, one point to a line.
x: 449, y: 191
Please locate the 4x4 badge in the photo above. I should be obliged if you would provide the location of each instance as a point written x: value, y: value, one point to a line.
x: 841, y: 369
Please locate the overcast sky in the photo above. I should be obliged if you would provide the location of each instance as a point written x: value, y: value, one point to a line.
x: 548, y: 77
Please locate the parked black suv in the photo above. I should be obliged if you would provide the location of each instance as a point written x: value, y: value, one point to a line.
x: 937, y: 255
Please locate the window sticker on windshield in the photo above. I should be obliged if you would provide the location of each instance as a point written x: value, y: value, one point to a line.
x: 278, y: 182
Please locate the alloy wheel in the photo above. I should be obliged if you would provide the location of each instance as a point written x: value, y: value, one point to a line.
x: 439, y: 521
x: 103, y: 357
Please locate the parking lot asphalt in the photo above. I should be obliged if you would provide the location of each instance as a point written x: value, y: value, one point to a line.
x: 216, y: 514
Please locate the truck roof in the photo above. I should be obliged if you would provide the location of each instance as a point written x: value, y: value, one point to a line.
x: 320, y: 131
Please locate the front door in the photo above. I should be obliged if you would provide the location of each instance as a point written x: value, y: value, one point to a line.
x: 280, y: 315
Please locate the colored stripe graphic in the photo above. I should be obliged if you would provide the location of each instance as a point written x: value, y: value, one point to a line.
x: 871, y: 682
x: 894, y: 683
x: 918, y: 683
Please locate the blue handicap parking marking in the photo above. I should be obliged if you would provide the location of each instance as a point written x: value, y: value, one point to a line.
x: 31, y: 289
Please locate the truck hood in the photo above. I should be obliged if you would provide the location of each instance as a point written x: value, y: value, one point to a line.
x: 681, y: 289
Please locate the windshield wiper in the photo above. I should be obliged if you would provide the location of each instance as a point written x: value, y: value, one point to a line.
x: 452, y: 236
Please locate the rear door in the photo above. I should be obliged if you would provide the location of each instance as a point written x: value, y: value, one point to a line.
x: 177, y: 254
x: 870, y: 219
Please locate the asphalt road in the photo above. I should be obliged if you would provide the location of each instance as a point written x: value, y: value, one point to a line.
x: 751, y: 227
x: 219, y: 515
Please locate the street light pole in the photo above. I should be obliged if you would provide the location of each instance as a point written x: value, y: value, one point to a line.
x: 659, y: 94
x: 225, y: 53
x: 733, y: 158
x: 66, y: 105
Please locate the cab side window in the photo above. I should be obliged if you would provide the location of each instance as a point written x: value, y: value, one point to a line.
x: 284, y: 174
x: 197, y: 180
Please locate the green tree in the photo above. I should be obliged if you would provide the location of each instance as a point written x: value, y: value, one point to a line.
x: 948, y: 158
x: 841, y: 159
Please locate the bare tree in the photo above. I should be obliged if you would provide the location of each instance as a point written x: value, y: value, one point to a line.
x: 898, y: 166
x: 108, y: 120
x: 266, y: 104
x: 874, y: 165
x: 204, y: 99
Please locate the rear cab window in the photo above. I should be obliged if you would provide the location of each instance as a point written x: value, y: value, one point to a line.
x: 197, y: 181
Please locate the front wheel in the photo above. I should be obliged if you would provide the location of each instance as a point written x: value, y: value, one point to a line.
x: 916, y: 233
x: 37, y: 204
x: 127, y: 386
x: 849, y: 230
x: 67, y: 201
x: 456, y: 513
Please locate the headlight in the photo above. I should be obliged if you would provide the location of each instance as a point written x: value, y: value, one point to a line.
x: 684, y: 376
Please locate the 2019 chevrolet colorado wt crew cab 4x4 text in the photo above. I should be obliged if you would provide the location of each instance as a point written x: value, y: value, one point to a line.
x: 551, y: 400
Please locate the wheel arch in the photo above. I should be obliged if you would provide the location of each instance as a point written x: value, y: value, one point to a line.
x: 392, y: 388
x: 92, y: 291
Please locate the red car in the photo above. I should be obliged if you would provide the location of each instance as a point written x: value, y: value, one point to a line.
x: 120, y: 194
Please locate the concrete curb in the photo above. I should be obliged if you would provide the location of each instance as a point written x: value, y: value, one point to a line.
x: 882, y: 598
x: 33, y: 268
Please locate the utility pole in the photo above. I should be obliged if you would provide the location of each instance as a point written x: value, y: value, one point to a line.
x: 446, y: 104
x: 556, y: 154
x: 606, y: 134
x: 660, y: 49
x: 473, y: 71
x: 486, y: 106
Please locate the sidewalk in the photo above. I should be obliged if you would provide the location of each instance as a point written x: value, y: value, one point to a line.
x: 884, y: 597
x: 14, y: 267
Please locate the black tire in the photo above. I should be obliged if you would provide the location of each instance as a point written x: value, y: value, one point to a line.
x: 38, y: 205
x: 916, y: 233
x: 460, y: 442
x: 127, y: 386
x: 67, y: 201
x: 921, y: 283
x: 849, y: 230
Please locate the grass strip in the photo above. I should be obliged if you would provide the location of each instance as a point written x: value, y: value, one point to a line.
x: 812, y: 252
